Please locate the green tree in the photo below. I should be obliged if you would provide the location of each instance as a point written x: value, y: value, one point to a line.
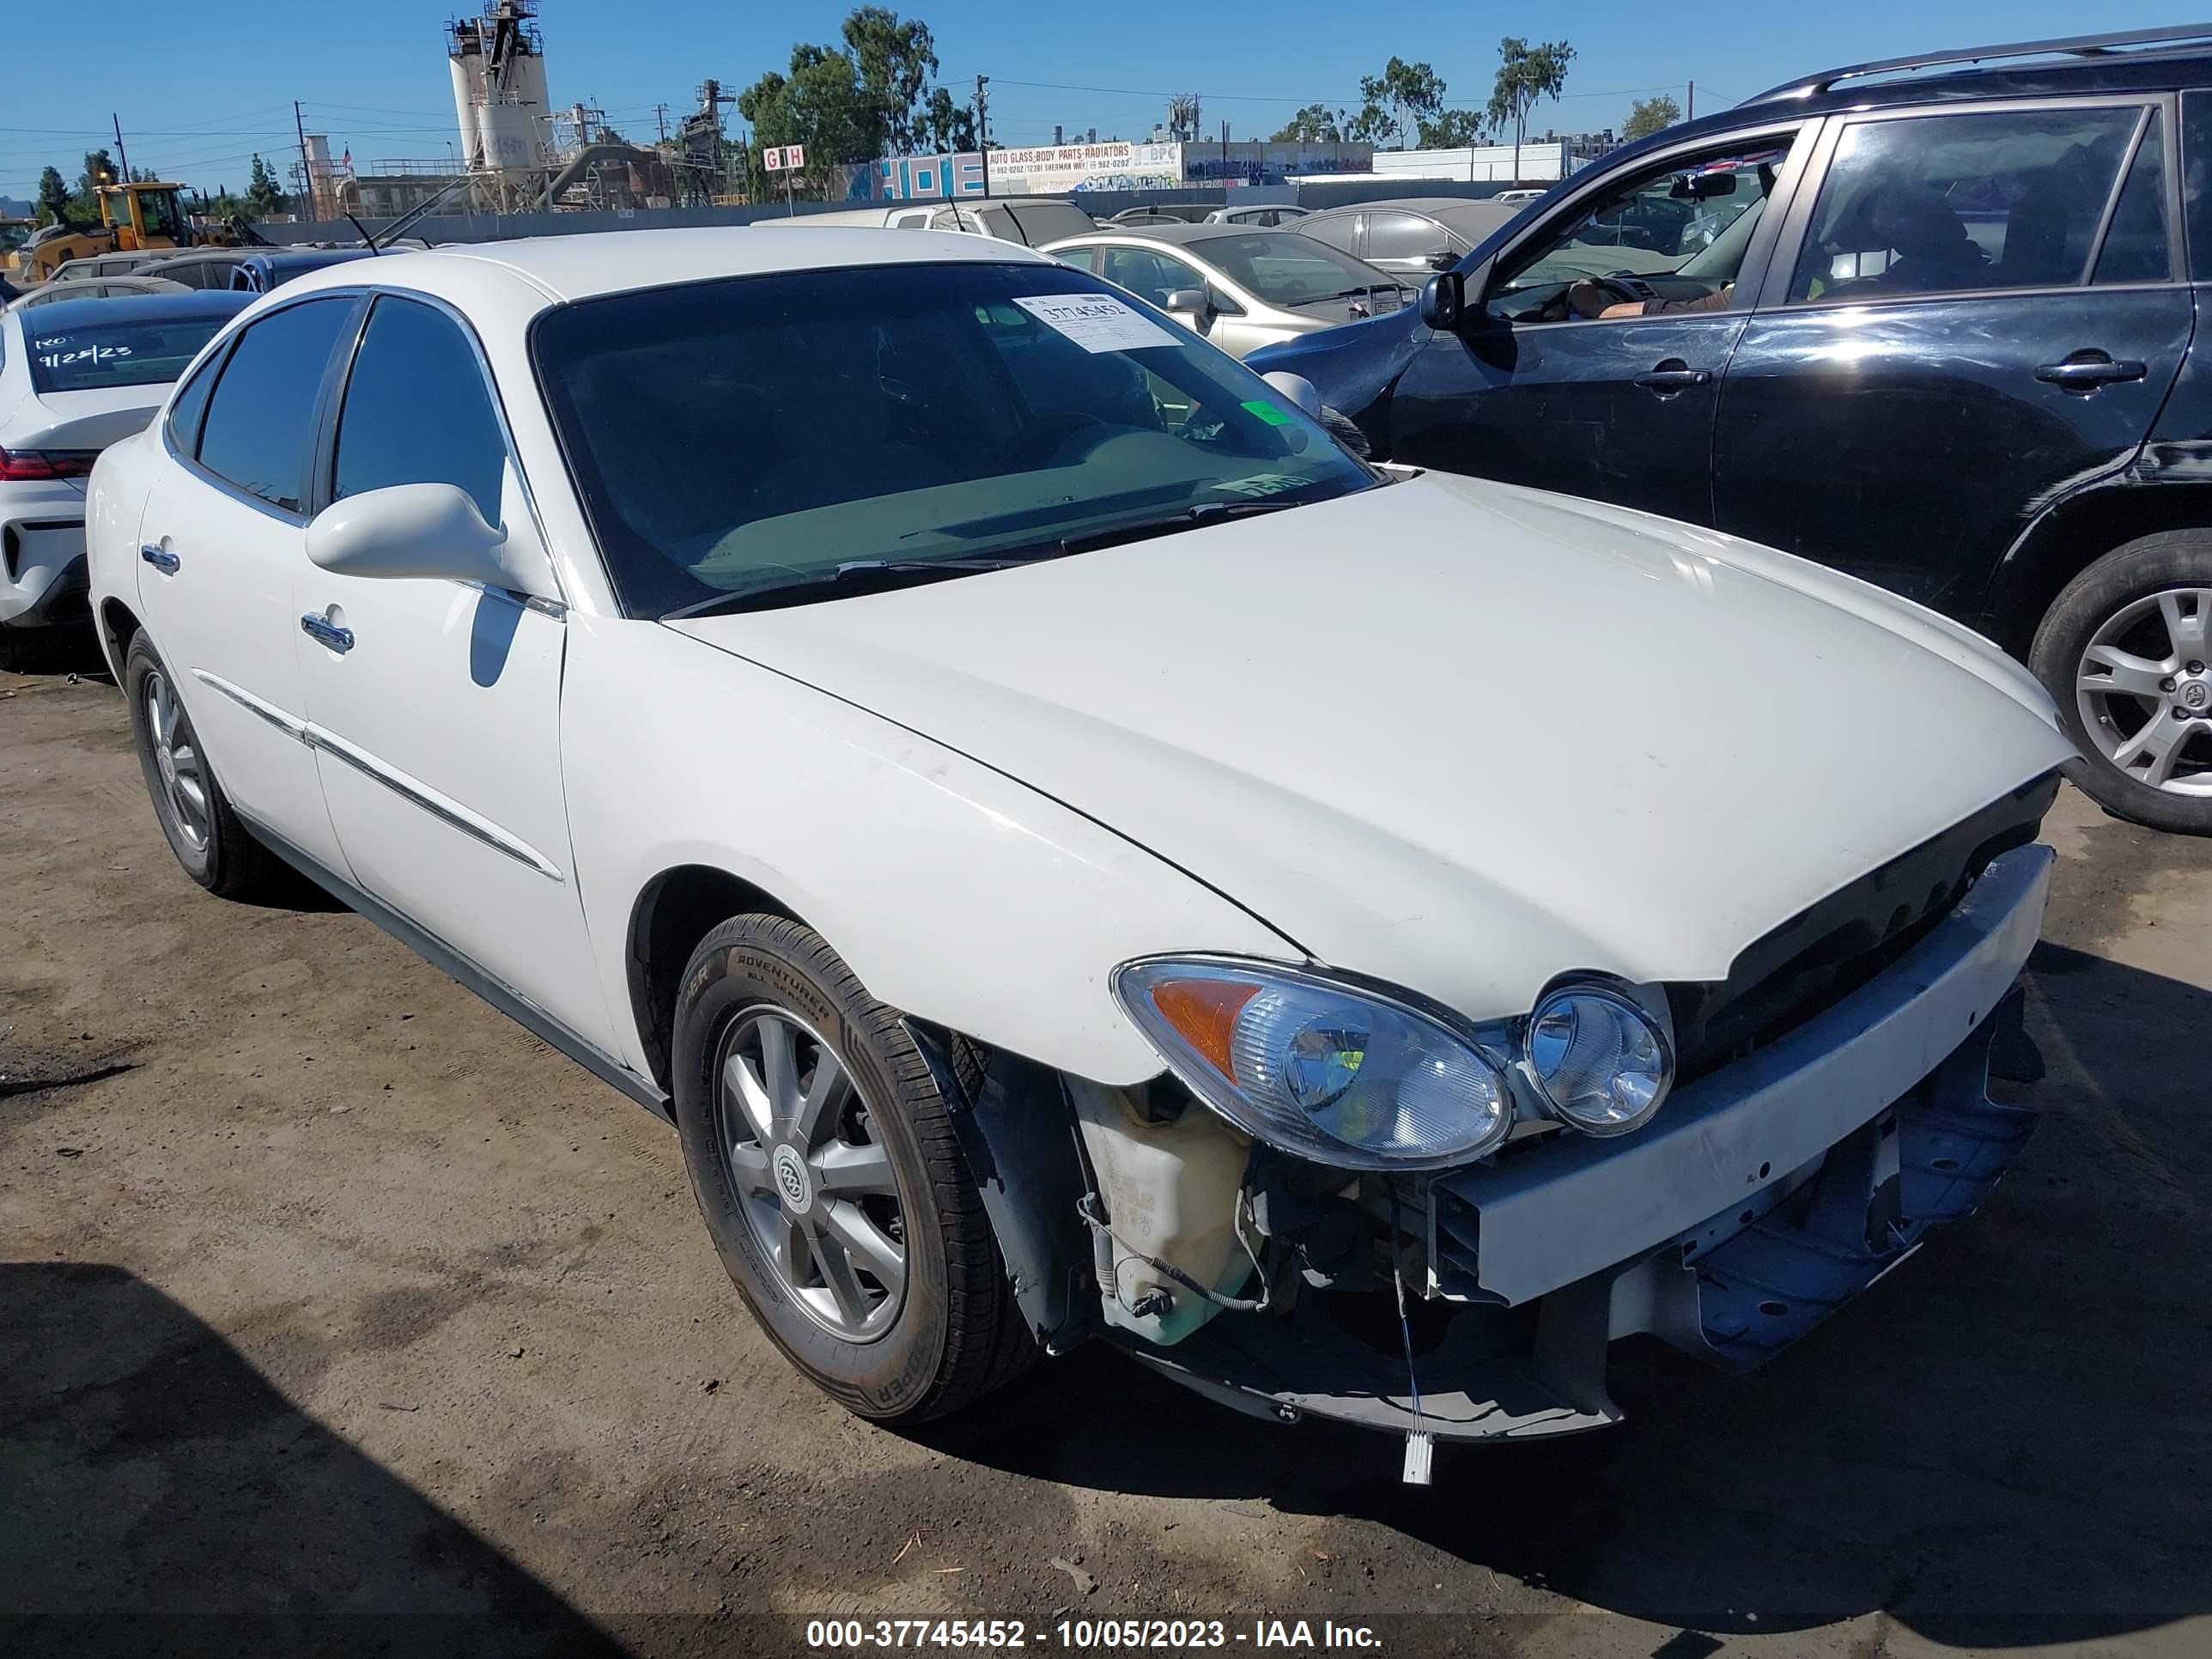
x: 99, y: 169
x: 944, y: 126
x: 1452, y: 128
x: 53, y: 196
x: 1313, y: 125
x: 822, y: 104
x: 263, y: 198
x: 1525, y: 76
x: 1395, y: 102
x: 895, y: 56
x: 1650, y: 115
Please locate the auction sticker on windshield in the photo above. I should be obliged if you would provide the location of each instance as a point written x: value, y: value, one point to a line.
x: 1096, y: 322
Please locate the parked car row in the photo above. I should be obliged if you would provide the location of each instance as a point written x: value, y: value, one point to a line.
x: 797, y: 675
x: 1077, y: 851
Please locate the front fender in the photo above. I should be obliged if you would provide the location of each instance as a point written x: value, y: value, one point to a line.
x: 958, y: 895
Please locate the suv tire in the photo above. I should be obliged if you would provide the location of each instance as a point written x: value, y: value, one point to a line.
x: 844, y: 1211
x: 2126, y: 653
x: 216, y: 849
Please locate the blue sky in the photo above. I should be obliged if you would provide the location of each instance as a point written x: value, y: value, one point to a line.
x: 200, y: 86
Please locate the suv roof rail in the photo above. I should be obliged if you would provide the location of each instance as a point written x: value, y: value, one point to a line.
x: 2076, y: 45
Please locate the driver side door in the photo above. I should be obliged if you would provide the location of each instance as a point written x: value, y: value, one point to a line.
x: 1616, y: 409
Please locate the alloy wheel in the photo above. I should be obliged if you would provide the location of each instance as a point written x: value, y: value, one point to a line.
x: 176, y: 759
x: 2144, y: 691
x: 817, y: 1184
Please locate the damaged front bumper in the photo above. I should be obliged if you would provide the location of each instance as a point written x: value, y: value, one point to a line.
x: 1761, y: 1200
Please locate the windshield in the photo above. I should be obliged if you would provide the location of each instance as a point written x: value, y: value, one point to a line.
x: 1285, y: 269
x: 755, y: 431
x: 105, y: 353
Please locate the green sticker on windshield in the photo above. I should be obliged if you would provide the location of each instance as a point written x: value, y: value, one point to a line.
x: 1267, y: 412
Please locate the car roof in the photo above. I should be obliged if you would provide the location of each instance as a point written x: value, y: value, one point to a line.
x: 139, y: 308
x: 303, y: 258
x: 194, y: 256
x: 617, y: 261
x: 1176, y: 232
x: 2084, y: 66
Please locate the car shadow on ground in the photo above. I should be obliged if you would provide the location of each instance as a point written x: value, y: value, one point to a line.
x: 2004, y: 1444
x: 158, y: 1495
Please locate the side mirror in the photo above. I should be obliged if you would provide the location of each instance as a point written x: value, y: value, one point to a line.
x: 430, y: 531
x: 1443, y: 300
x: 1299, y: 389
x: 1187, y: 302
x: 1442, y: 259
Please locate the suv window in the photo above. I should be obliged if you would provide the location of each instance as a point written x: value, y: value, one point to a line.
x: 1405, y: 236
x: 260, y: 423
x: 2137, y: 248
x: 416, y: 411
x: 1680, y: 232
x: 1931, y: 203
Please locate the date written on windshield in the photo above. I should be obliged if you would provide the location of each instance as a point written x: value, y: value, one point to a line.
x: 1093, y: 1634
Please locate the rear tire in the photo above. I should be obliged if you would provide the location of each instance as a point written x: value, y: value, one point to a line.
x: 215, y: 849
x: 853, y: 1231
x: 2126, y: 653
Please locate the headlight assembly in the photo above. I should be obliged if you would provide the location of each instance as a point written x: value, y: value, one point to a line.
x: 1340, y: 1074
x: 1603, y: 1064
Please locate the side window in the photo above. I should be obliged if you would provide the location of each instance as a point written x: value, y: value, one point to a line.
x: 1341, y: 233
x: 1083, y: 258
x: 1153, y: 275
x: 2136, y: 247
x: 416, y: 410
x: 192, y: 402
x: 1405, y: 236
x: 2197, y: 178
x: 1933, y: 203
x: 1679, y: 234
x: 260, y: 424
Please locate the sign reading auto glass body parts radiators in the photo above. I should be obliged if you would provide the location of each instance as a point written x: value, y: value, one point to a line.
x: 1096, y: 322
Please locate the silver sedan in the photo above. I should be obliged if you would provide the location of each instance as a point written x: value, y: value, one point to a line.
x: 1240, y: 287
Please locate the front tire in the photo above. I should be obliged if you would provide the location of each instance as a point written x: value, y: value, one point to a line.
x: 2126, y: 653
x: 828, y: 1173
x: 215, y: 849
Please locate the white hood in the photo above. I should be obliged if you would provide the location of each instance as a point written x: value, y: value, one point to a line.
x: 1454, y: 734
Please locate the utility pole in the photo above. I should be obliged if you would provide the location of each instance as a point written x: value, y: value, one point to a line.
x: 306, y: 174
x: 122, y: 156
x: 661, y: 114
x: 1690, y: 110
x: 1224, y: 154
x: 982, y: 130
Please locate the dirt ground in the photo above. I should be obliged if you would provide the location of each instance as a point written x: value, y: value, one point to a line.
x: 338, y: 1315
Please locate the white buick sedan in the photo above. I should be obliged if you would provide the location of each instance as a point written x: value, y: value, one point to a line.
x: 1072, y: 850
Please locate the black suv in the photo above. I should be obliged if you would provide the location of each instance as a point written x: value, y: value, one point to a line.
x: 1927, y: 323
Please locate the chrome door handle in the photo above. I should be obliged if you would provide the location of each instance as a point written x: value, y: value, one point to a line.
x: 321, y: 628
x: 159, y: 557
x: 1673, y: 375
x: 2085, y: 371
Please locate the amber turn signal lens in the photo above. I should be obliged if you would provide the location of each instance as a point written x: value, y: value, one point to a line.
x: 1204, y: 1012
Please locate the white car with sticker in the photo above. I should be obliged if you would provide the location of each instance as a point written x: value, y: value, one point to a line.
x: 1074, y: 851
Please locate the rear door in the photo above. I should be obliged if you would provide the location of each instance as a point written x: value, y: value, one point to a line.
x: 436, y: 705
x: 223, y: 536
x: 1972, y: 312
